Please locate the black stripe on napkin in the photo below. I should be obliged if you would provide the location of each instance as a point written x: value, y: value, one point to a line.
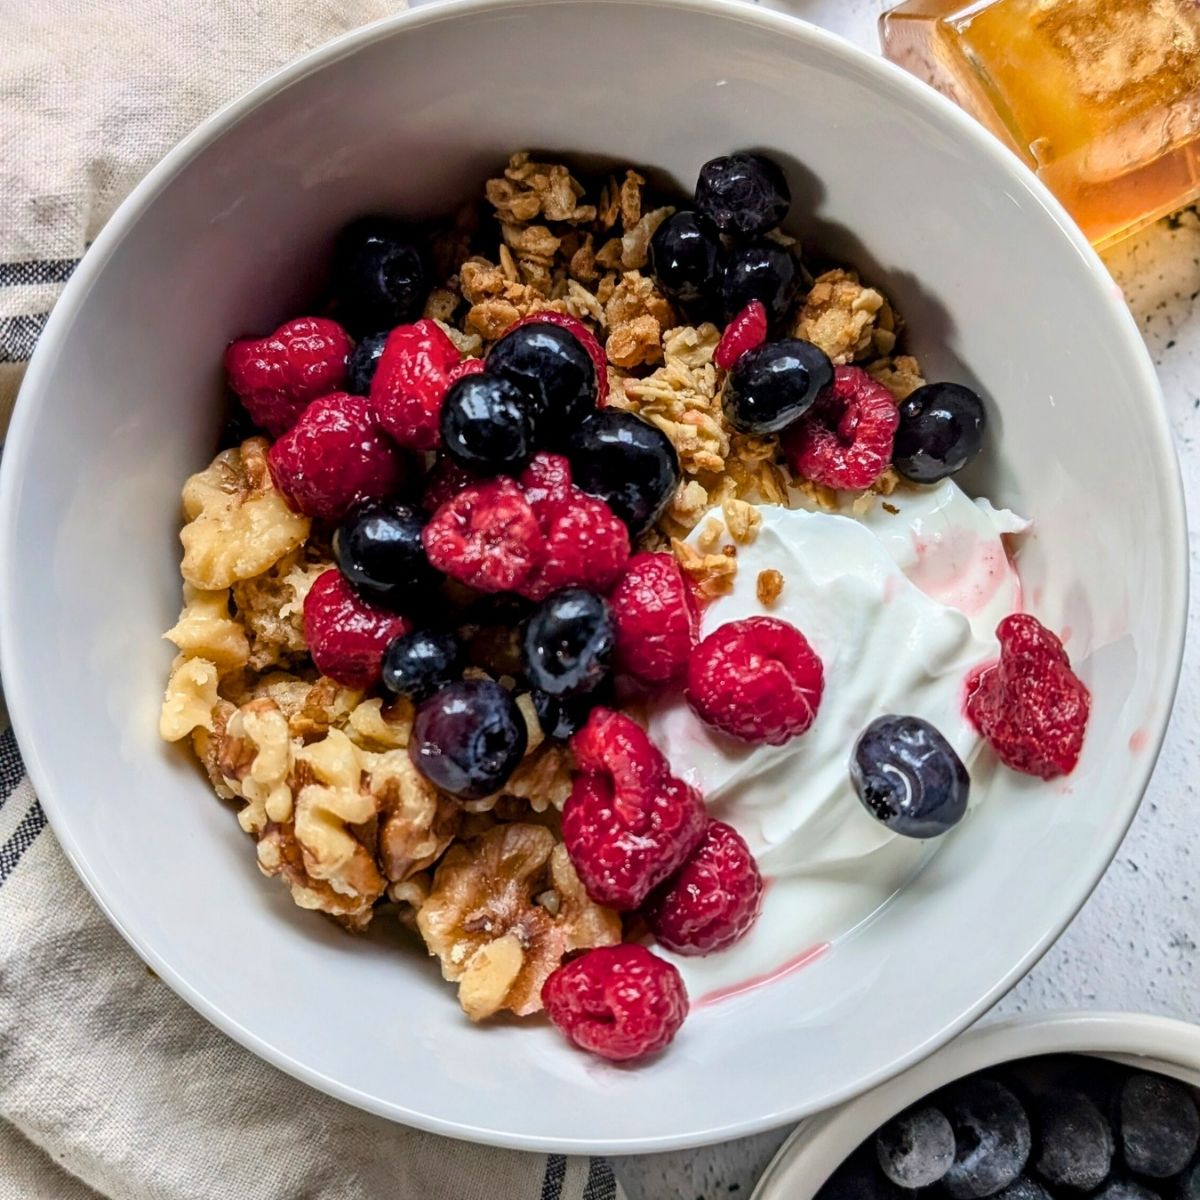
x: 12, y: 769
x: 19, y: 335
x: 556, y: 1174
x: 37, y: 273
x: 601, y: 1183
x: 25, y: 834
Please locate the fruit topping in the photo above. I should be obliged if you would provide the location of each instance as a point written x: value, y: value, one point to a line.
x: 743, y: 194
x: 585, y: 337
x: 584, y: 545
x: 992, y: 1136
x: 763, y: 271
x: 553, y: 367
x: 562, y: 716
x: 414, y: 372
x: 916, y: 1148
x: 417, y: 664
x: 347, y: 636
x: 335, y: 456
x: 845, y: 440
x: 746, y: 331
x: 773, y: 385
x: 757, y: 680
x: 363, y: 363
x: 618, y: 1002
x: 909, y: 777
x: 1031, y: 708
x: 380, y: 274
x: 685, y: 256
x: 567, y: 645
x: 941, y: 430
x: 1075, y: 1142
x: 277, y: 376
x: 487, y: 424
x: 656, y: 619
x: 378, y: 549
x: 468, y: 738
x: 1160, y: 1128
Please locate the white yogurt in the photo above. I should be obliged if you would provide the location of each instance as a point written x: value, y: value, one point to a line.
x: 900, y: 604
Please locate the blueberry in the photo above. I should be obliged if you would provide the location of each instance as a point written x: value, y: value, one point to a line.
x: 909, y: 777
x: 468, y: 738
x: 363, y: 362
x: 1125, y: 1189
x: 941, y: 430
x: 774, y: 384
x: 378, y: 549
x: 551, y: 365
x: 1024, y: 1189
x: 628, y: 463
x: 916, y: 1148
x: 1188, y: 1187
x: 992, y: 1136
x: 567, y: 645
x: 417, y: 664
x: 1160, y: 1128
x: 1076, y: 1142
x: 763, y: 271
x: 562, y: 716
x: 685, y: 256
x: 487, y: 424
x: 380, y: 275
x: 743, y: 194
x: 859, y: 1178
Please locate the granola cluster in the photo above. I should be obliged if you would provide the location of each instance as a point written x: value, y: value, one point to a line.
x: 321, y: 772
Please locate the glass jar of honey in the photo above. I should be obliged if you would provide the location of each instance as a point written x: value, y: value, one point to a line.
x: 1100, y: 97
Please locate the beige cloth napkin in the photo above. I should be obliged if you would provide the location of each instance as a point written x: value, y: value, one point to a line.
x: 110, y: 1086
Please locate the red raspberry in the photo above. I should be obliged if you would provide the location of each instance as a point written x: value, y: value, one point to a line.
x: 468, y: 366
x: 547, y: 478
x: 586, y: 545
x: 586, y: 338
x: 618, y: 1002
x: 444, y: 481
x: 845, y: 439
x: 757, y: 680
x: 1031, y: 707
x: 656, y: 617
x: 346, y: 636
x: 713, y: 900
x: 486, y: 537
x: 333, y: 456
x: 416, y: 368
x: 275, y: 377
x: 747, y: 330
x: 628, y: 823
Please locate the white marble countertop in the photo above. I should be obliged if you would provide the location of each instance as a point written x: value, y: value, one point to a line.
x: 1134, y: 945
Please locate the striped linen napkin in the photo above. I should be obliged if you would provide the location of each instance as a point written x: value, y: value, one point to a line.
x: 110, y: 1086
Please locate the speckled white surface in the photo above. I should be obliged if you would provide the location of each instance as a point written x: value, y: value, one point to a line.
x: 1134, y: 944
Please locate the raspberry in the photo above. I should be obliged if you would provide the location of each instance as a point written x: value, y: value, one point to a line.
x: 1031, y: 707
x: 657, y: 621
x: 585, y: 337
x: 486, y: 537
x: 444, y: 481
x: 628, y: 823
x: 418, y: 364
x: 547, y: 478
x: 757, y: 680
x: 333, y: 456
x: 845, y: 439
x: 618, y: 1002
x: 275, y: 377
x: 747, y: 330
x: 713, y: 900
x: 346, y: 636
x: 468, y: 366
x: 586, y: 545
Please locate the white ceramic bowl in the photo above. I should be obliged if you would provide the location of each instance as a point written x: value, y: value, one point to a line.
x: 807, y: 1159
x: 228, y: 235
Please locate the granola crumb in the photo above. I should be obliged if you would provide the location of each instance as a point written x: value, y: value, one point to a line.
x: 840, y: 315
x: 713, y: 574
x: 743, y: 520
x: 768, y: 587
x: 710, y: 535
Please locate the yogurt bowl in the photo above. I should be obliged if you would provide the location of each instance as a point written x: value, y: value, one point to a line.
x: 229, y: 234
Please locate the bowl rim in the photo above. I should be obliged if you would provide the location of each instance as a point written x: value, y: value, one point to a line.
x: 819, y: 1145
x: 890, y: 77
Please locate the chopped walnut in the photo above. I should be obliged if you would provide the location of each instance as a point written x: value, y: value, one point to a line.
x: 543, y: 778
x: 532, y: 189
x: 190, y: 698
x: 484, y: 893
x: 839, y: 315
x: 206, y: 744
x: 206, y: 630
x: 713, y: 574
x: 742, y: 520
x: 900, y: 375
x: 372, y: 726
x: 237, y: 523
x: 255, y: 760
x: 768, y: 587
x: 312, y: 708
x: 416, y: 823
x: 271, y: 606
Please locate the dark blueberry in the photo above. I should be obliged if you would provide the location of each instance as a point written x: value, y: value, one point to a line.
x: 363, y: 362
x: 1160, y: 1128
x: 562, y: 716
x: 685, y: 256
x: 551, y: 365
x: 992, y: 1136
x: 628, y: 463
x: 1076, y: 1142
x: 763, y: 271
x: 1188, y: 1187
x: 238, y: 427
x: 859, y: 1178
x: 1125, y: 1189
x: 417, y: 664
x: 567, y: 645
x: 916, y: 1148
x: 378, y: 549
x: 909, y: 777
x: 774, y: 384
x: 380, y: 275
x: 941, y: 430
x: 1024, y: 1189
x: 488, y: 425
x: 743, y: 194
x: 468, y: 738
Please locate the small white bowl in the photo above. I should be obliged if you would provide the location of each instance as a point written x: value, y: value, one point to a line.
x: 808, y: 1158
x: 227, y: 236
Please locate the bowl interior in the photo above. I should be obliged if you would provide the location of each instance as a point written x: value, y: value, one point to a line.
x: 231, y: 235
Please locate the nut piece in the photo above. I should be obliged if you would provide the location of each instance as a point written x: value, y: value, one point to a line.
x: 190, y: 698
x: 311, y: 708
x: 484, y: 893
x: 416, y: 822
x: 839, y: 315
x: 255, y: 761
x: 237, y: 523
x: 768, y: 587
x: 206, y: 630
